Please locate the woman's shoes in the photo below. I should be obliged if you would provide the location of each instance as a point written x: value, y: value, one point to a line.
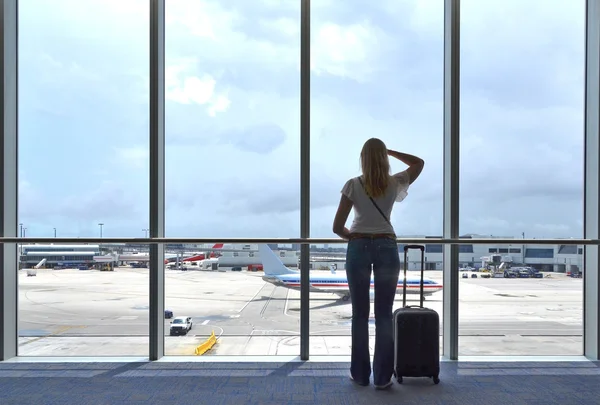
x: 377, y: 387
x: 385, y: 386
x: 358, y: 382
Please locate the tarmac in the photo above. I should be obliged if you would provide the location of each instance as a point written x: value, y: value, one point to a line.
x: 94, y: 313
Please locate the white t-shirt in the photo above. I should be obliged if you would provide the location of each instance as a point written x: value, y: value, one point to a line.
x: 367, y: 219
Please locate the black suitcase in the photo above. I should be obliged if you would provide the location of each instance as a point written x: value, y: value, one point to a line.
x: 416, y: 334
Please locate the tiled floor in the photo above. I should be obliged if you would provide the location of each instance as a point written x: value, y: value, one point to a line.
x: 544, y: 383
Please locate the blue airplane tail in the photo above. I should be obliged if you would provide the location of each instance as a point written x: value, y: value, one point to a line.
x: 272, y: 265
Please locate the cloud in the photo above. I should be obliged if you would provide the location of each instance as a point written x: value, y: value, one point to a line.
x: 190, y: 89
x: 29, y: 200
x: 136, y: 157
x: 108, y: 201
x: 81, y: 209
x: 347, y: 51
x: 233, y: 114
x: 262, y: 138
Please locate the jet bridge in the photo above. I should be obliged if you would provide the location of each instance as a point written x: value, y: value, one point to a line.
x: 495, y: 264
x: 33, y: 271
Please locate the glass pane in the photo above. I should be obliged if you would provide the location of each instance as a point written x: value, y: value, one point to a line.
x: 83, y: 171
x: 522, y: 95
x: 232, y: 119
x: 224, y: 300
x: 377, y: 71
x: 83, y: 300
x: 233, y: 169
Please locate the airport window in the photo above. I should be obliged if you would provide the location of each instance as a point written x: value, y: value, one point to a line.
x: 508, y: 76
x: 567, y: 250
x: 433, y: 248
x: 465, y: 248
x: 103, y: 122
x: 513, y: 77
x: 353, y: 62
x: 539, y: 253
x: 220, y: 94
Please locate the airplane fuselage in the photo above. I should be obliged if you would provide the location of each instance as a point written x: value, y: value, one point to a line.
x: 338, y: 283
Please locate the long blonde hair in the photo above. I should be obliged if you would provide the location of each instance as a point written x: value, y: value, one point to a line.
x: 375, y: 166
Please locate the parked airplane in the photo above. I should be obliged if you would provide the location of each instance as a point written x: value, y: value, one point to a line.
x: 204, y: 255
x: 275, y: 272
x: 241, y: 255
x: 193, y: 257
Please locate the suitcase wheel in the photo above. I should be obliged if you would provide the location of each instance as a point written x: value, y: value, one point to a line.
x: 436, y: 379
x: 399, y: 379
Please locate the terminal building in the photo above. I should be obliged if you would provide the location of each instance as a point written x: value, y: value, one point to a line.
x: 58, y: 255
x: 546, y: 258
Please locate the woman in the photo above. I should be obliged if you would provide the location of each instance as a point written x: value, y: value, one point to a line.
x: 372, y: 242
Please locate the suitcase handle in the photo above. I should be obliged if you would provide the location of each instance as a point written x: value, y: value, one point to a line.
x: 406, y: 249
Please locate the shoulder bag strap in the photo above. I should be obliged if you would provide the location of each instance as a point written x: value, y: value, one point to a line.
x: 374, y: 203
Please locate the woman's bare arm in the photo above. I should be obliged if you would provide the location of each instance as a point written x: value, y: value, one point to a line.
x: 341, y: 217
x: 415, y: 164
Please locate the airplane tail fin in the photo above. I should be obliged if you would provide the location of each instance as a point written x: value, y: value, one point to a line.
x: 332, y: 268
x: 272, y: 265
x: 216, y: 246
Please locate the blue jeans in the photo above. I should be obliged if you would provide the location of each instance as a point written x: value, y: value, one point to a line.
x: 382, y: 254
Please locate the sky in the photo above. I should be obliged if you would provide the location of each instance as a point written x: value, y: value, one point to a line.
x: 233, y: 114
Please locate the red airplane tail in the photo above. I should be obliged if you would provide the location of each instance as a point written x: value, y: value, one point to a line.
x: 216, y: 246
x: 203, y: 256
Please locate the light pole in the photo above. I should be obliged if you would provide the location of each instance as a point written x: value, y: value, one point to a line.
x: 101, y: 225
x: 523, y: 247
x: 145, y: 232
x: 20, y: 245
x: 55, y: 232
